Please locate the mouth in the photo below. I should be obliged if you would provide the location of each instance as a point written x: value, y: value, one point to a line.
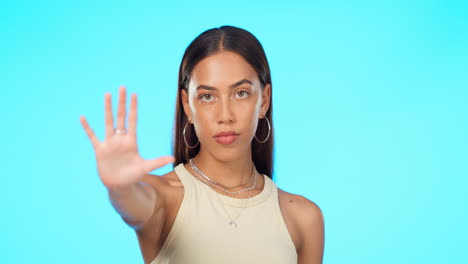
x: 226, y: 138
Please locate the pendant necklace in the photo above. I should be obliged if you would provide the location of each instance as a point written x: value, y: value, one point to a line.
x: 232, y: 221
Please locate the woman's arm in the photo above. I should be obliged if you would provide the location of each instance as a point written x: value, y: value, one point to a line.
x: 311, y: 224
x: 121, y: 168
x: 135, y: 203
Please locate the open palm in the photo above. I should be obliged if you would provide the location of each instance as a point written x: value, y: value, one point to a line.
x: 118, y: 161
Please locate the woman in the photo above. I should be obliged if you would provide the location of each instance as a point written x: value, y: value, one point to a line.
x: 219, y: 204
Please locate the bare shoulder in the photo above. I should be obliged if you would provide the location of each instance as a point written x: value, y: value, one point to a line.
x: 304, y: 210
x: 170, y: 192
x: 172, y: 179
x: 162, y: 182
x: 309, y: 222
x: 152, y: 235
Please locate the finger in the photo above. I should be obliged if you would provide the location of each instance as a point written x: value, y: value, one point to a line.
x: 132, y: 117
x: 151, y: 165
x: 92, y: 137
x: 121, y: 108
x: 108, y: 115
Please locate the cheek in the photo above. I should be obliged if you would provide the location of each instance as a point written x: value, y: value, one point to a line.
x: 246, y: 114
x: 203, y: 120
x: 248, y: 117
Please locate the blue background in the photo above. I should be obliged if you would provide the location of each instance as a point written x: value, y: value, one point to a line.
x: 370, y: 112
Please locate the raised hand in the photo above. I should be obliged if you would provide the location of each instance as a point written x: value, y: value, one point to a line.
x: 118, y: 162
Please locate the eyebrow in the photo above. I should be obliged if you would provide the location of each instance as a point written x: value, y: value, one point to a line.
x: 234, y: 85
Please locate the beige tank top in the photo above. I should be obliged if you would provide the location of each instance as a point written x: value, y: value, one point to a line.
x: 201, y: 233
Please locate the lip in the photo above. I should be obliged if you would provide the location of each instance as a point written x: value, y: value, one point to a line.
x: 226, y: 137
x: 226, y: 133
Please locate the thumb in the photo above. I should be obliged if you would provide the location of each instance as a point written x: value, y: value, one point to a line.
x: 153, y: 164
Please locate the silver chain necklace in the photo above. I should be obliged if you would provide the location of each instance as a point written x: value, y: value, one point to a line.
x: 232, y: 222
x: 213, y: 183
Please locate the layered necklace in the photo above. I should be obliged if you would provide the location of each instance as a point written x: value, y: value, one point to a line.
x: 232, y: 221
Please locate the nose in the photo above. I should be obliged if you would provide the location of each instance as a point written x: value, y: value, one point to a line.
x: 226, y: 114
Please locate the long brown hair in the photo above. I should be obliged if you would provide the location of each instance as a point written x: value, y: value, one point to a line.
x: 245, y: 44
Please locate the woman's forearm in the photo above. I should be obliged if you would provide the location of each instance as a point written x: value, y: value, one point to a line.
x: 135, y: 202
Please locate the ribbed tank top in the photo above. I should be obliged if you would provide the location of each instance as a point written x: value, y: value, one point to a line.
x: 201, y: 233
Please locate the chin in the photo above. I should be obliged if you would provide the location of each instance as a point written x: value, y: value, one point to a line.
x: 229, y: 154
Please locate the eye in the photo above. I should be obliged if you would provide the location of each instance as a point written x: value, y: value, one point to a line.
x: 206, y: 97
x: 242, y: 93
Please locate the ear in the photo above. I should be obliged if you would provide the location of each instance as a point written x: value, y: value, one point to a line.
x: 185, y: 103
x: 266, y: 95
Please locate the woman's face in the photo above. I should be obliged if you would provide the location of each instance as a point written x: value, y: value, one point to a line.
x: 225, y: 96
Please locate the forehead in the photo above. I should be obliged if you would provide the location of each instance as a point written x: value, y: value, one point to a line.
x: 221, y: 70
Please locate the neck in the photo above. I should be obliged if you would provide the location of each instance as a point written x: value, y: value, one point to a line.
x: 226, y: 172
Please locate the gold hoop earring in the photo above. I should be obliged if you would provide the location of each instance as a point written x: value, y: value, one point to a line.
x: 183, y: 135
x: 268, y: 135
